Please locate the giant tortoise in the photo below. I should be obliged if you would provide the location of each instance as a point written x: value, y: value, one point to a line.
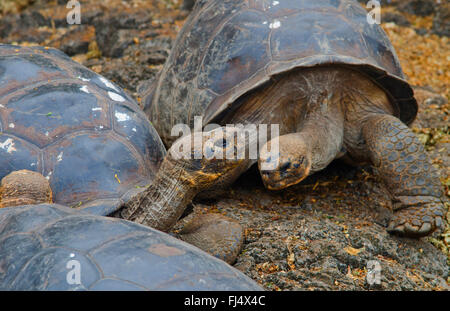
x: 331, y: 81
x: 52, y: 247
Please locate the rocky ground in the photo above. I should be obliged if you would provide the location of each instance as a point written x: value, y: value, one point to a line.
x: 321, y: 234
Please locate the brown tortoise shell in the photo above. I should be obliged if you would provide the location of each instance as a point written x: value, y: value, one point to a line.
x: 227, y: 48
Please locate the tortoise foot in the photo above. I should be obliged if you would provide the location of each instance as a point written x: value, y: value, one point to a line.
x: 417, y: 221
x: 215, y: 234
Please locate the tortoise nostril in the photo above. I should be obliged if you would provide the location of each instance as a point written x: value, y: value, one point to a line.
x: 298, y: 163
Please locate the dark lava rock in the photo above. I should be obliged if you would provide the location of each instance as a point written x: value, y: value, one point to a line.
x: 132, y: 21
x: 32, y: 19
x: 154, y: 57
x: 421, y: 31
x: 418, y: 7
x: 91, y: 16
x: 114, y: 33
x: 394, y: 17
x: 382, y: 2
x: 307, y: 252
x: 431, y: 105
x: 127, y: 73
x: 17, y: 24
x: 138, y: 64
x: 441, y: 21
x: 76, y: 40
x: 334, y: 242
x: 156, y: 51
x: 111, y: 40
x: 162, y: 43
x: 188, y: 5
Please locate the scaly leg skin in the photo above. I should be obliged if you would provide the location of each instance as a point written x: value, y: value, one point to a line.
x: 220, y: 236
x: 401, y: 162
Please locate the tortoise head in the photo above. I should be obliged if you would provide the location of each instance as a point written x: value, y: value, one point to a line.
x: 24, y: 187
x: 287, y: 167
x: 201, y: 158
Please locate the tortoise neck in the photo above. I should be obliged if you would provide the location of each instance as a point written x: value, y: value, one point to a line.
x: 321, y: 125
x: 163, y: 202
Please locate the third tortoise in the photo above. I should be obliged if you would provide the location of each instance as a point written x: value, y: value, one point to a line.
x: 48, y: 246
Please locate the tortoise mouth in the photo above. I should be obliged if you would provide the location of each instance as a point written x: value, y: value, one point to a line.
x: 273, y: 180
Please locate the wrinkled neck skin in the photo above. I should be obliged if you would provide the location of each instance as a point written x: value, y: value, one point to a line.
x: 175, y: 185
x: 164, y: 201
x: 326, y: 106
x: 321, y: 125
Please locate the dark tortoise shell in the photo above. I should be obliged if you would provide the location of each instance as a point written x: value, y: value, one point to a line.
x: 227, y: 48
x: 81, y: 131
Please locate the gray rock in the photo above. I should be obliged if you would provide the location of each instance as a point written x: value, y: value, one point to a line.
x: 111, y: 40
x: 441, y: 21
x: 418, y: 7
x: 73, y: 43
x: 394, y: 17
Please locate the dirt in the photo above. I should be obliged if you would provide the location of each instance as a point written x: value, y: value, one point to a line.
x: 324, y: 233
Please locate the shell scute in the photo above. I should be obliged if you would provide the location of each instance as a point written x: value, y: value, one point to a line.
x: 229, y: 59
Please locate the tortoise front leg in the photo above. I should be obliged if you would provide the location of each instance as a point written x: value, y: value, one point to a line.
x: 214, y: 233
x: 401, y: 162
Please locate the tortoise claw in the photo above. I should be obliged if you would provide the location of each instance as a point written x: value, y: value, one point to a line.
x: 216, y: 234
x: 438, y: 222
x: 416, y: 221
x: 426, y: 227
x: 392, y: 228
